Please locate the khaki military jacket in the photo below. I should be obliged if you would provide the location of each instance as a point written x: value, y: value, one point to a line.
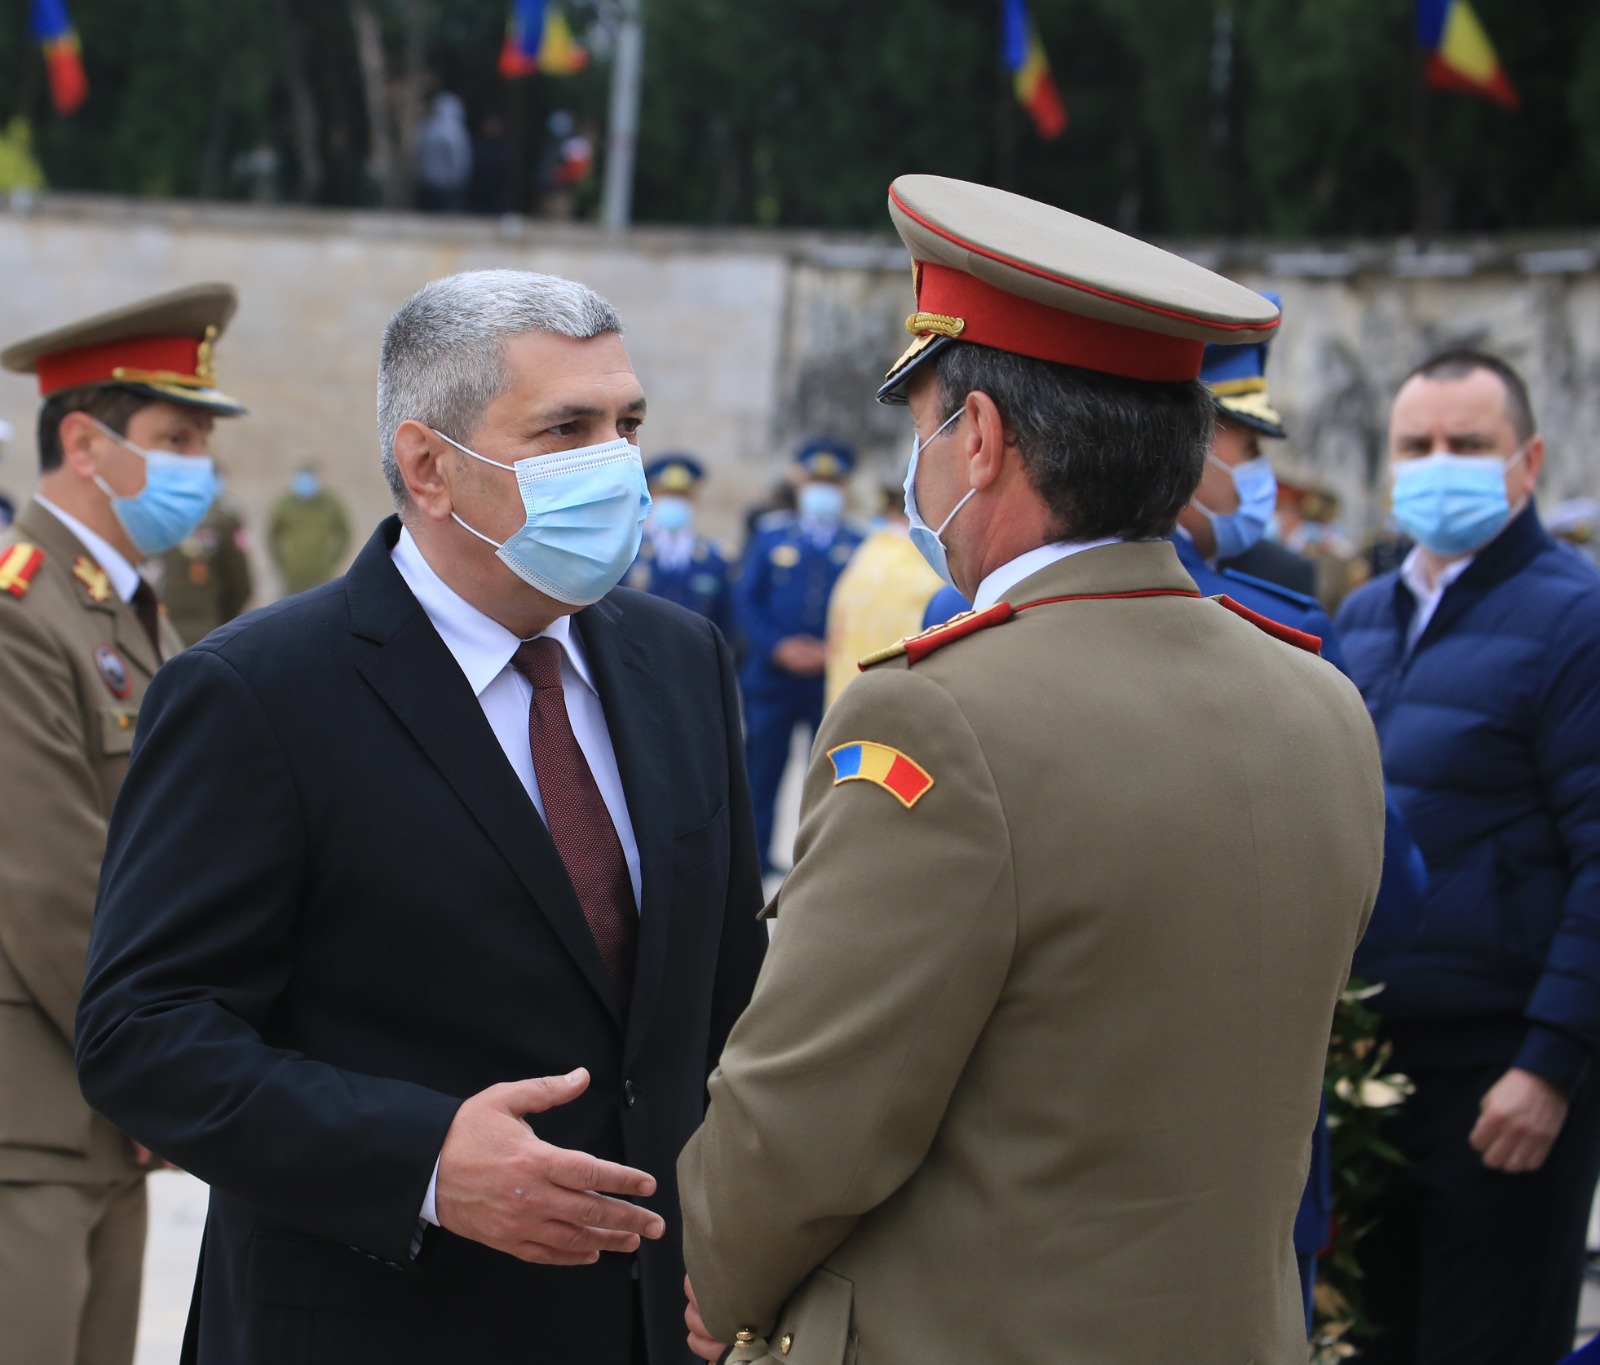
x: 74, y: 665
x: 1032, y: 1067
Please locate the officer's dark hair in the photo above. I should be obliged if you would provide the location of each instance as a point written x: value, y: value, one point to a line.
x: 1109, y: 456
x: 113, y: 404
x: 1462, y: 361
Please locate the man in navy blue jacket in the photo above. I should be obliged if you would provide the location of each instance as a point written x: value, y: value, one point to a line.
x: 1479, y: 659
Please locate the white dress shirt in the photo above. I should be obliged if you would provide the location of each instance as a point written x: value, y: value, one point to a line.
x: 124, y: 577
x: 1000, y: 581
x: 483, y: 649
x: 1414, y: 575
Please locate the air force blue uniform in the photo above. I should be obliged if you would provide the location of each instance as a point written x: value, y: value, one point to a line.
x: 787, y: 577
x: 700, y: 580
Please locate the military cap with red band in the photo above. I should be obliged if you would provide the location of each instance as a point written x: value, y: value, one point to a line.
x: 161, y: 347
x: 1003, y: 271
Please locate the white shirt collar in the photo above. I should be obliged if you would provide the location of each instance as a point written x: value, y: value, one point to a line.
x: 478, y: 643
x: 1000, y: 581
x: 124, y: 577
x: 1415, y: 574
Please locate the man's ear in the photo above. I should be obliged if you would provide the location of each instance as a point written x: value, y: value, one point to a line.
x: 987, y: 439
x: 418, y: 454
x: 77, y: 435
x: 1532, y: 463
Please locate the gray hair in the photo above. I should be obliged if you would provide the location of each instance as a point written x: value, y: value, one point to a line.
x: 443, y: 356
x: 1109, y: 456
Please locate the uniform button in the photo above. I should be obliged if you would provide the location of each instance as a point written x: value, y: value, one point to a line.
x: 630, y: 1093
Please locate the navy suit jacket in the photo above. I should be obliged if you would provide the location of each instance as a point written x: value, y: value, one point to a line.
x: 329, y: 912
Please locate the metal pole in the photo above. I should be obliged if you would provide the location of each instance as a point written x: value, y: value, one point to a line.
x: 616, y: 206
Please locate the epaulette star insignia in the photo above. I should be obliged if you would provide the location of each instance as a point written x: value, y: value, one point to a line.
x: 18, y: 564
x: 93, y: 577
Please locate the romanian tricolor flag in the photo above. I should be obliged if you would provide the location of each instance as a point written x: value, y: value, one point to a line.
x: 538, y: 38
x: 863, y: 761
x: 1460, y: 55
x: 63, y: 57
x: 1030, y: 70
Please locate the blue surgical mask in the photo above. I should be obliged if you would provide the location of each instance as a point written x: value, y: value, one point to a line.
x: 305, y: 484
x: 178, y: 492
x: 1453, y: 504
x: 821, y: 502
x: 924, y: 537
x: 585, y: 512
x: 672, y: 515
x: 1240, y: 529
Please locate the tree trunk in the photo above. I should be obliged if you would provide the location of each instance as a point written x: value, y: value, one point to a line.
x: 375, y: 89
x: 408, y: 97
x: 302, y: 105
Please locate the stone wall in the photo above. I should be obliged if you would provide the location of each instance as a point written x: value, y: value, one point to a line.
x: 747, y: 341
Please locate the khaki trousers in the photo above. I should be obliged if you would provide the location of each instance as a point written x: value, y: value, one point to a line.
x: 71, y: 1257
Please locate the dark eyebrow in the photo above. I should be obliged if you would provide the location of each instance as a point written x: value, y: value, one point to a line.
x: 575, y: 412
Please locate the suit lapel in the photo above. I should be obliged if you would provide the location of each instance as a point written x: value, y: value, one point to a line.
x: 631, y: 700
x: 415, y: 675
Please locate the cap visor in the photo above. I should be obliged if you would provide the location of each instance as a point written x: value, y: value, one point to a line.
x: 212, y: 400
x: 892, y: 390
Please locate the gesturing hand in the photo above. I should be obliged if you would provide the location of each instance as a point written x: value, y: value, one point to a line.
x: 701, y: 1342
x: 1521, y: 1117
x: 501, y: 1185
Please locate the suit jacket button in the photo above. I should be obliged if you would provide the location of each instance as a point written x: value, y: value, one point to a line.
x: 630, y: 1093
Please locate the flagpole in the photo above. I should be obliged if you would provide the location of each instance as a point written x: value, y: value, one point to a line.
x: 616, y: 204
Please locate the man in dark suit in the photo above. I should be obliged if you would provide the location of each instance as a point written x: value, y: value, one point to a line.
x: 426, y: 851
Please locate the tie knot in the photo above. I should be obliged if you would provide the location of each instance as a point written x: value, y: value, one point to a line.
x: 539, y: 661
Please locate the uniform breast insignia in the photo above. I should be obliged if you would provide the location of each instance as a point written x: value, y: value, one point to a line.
x: 17, y: 568
x: 785, y: 556
x: 93, y: 577
x: 863, y: 761
x: 1288, y: 634
x: 918, y: 647
x: 113, y: 671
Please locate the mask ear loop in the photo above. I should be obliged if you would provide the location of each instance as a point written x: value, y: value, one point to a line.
x: 126, y: 444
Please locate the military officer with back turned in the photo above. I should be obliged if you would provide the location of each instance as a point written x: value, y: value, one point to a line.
x: 1032, y: 1068
x: 124, y: 475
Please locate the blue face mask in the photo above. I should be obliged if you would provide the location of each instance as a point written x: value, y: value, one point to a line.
x: 1452, y: 504
x: 585, y: 512
x: 924, y: 537
x: 672, y: 515
x: 305, y: 484
x: 1240, y: 529
x: 821, y: 502
x: 178, y: 492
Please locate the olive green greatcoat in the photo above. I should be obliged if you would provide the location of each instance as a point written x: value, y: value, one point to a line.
x: 64, y: 742
x: 1031, y: 1070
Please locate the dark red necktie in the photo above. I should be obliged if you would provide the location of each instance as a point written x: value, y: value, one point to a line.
x: 577, y: 816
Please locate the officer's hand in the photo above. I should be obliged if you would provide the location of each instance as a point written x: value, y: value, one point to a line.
x: 803, y: 655
x: 701, y: 1342
x: 501, y: 1185
x: 1520, y: 1118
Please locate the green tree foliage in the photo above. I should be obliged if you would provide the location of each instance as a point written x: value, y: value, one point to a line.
x: 1288, y: 118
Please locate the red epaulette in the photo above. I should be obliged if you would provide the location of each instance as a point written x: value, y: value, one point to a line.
x: 1288, y: 634
x: 18, y: 564
x: 918, y: 647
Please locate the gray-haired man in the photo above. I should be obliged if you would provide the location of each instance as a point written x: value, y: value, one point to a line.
x: 460, y: 838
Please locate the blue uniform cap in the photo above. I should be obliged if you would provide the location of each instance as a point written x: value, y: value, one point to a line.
x: 1237, y: 377
x: 675, y: 472
x: 824, y: 458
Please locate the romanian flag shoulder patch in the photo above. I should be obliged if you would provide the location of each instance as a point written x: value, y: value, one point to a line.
x: 863, y: 761
x: 18, y: 565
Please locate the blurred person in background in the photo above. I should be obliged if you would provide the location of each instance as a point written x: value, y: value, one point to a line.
x: 1479, y: 659
x: 880, y: 597
x: 8, y: 509
x: 205, y: 580
x: 781, y: 610
x: 1575, y: 522
x: 124, y: 474
x: 308, y: 533
x: 444, y: 156
x: 675, y: 561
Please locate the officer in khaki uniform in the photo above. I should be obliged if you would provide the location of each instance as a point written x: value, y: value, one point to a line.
x: 205, y: 581
x: 1032, y: 1067
x: 128, y: 401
